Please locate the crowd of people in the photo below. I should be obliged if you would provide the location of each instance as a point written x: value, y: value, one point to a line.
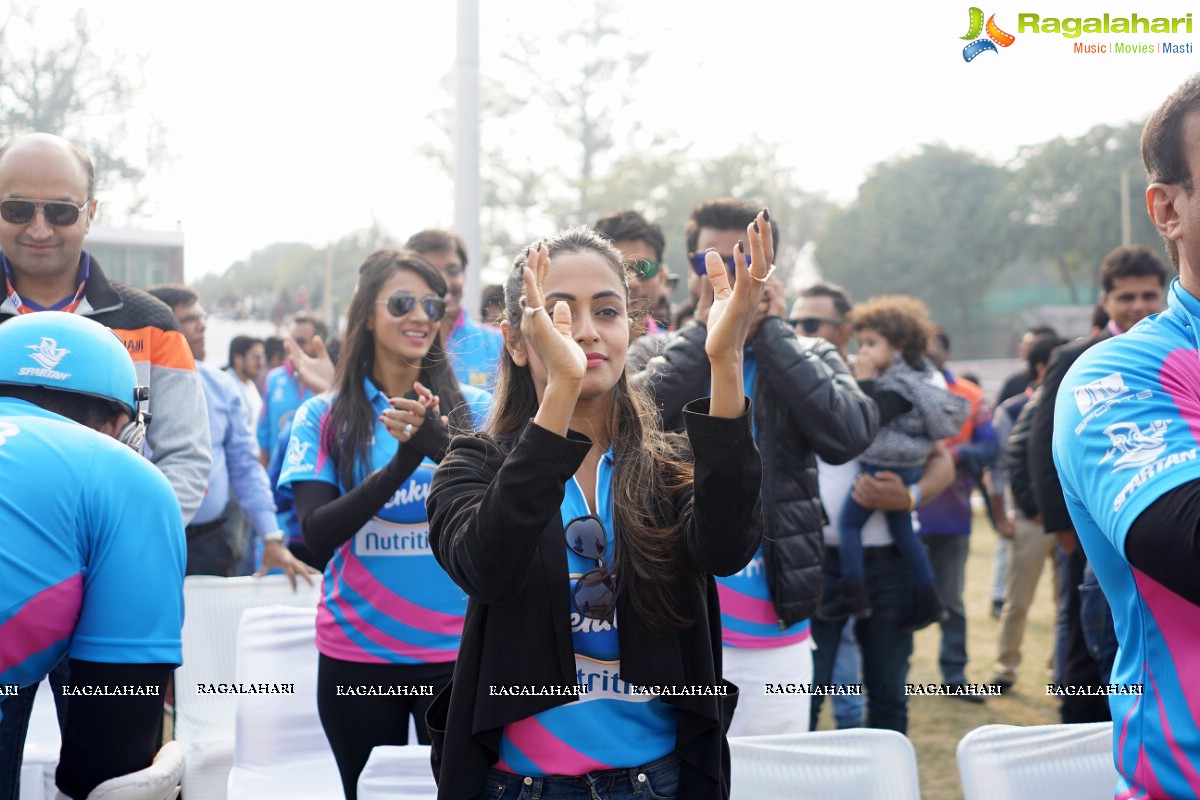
x: 640, y: 522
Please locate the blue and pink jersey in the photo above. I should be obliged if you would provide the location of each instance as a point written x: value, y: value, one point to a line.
x: 748, y: 617
x: 93, y: 557
x: 609, y: 726
x: 385, y: 599
x: 1126, y: 431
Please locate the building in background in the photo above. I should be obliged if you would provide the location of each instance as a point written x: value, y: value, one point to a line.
x: 138, y: 257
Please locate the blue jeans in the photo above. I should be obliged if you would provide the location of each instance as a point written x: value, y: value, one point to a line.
x: 854, y: 516
x: 948, y: 555
x: 847, y: 668
x: 885, y: 648
x: 14, y: 725
x: 658, y: 780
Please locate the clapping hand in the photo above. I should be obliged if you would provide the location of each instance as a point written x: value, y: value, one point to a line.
x: 734, y: 306
x: 407, y: 414
x: 547, y: 332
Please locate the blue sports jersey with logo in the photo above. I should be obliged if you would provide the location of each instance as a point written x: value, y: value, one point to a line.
x: 385, y: 599
x: 474, y: 352
x: 609, y: 726
x: 93, y: 557
x: 1126, y: 431
x: 284, y: 395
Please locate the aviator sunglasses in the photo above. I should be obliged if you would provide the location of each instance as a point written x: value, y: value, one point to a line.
x: 593, y: 592
x: 402, y: 302
x: 59, y: 213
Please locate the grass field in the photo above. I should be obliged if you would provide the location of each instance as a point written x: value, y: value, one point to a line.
x: 936, y: 724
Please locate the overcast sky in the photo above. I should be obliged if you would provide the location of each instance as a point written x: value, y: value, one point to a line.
x: 292, y: 123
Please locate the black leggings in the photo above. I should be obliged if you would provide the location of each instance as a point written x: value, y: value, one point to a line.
x: 355, y: 723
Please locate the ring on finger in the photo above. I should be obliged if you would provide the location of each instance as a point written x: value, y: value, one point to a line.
x: 531, y: 310
x: 408, y: 429
x: 764, y: 278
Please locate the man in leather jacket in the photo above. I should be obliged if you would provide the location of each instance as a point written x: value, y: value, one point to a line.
x: 805, y: 403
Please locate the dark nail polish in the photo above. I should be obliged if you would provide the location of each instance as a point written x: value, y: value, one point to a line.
x: 526, y: 253
x: 766, y: 215
x: 756, y: 230
x: 741, y: 247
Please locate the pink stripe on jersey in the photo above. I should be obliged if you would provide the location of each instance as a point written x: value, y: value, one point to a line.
x: 333, y: 641
x: 745, y: 640
x: 549, y: 754
x: 1181, y: 759
x: 1137, y: 701
x: 322, y: 453
x: 1145, y: 777
x: 46, y: 618
x: 1178, y: 620
x: 1180, y: 375
x: 390, y: 643
x: 743, y: 606
x: 360, y: 579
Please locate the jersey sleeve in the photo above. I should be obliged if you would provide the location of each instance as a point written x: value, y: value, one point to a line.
x: 1125, y: 432
x: 306, y: 458
x: 132, y: 608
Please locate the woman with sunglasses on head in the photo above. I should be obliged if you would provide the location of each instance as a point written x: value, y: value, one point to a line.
x: 587, y: 539
x: 358, y: 465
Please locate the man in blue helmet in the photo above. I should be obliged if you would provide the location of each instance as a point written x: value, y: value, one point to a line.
x: 79, y: 576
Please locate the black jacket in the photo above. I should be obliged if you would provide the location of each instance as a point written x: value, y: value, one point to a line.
x: 806, y: 404
x: 1046, y: 487
x: 495, y: 527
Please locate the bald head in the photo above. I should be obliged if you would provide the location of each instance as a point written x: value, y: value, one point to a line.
x: 43, y: 145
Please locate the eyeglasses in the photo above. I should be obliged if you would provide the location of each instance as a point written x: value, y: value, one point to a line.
x: 593, y: 592
x: 402, y: 302
x: 58, y: 213
x: 699, y: 267
x: 645, y: 270
x: 811, y: 325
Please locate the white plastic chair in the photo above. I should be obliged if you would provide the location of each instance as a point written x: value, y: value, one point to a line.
x: 280, y: 749
x: 1066, y: 762
x: 863, y: 763
x: 159, y: 781
x: 397, y: 773
x: 204, y: 722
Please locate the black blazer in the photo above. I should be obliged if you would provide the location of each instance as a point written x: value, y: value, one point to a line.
x: 496, y: 529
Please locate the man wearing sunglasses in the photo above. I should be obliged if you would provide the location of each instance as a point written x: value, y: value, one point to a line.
x: 474, y: 349
x: 805, y: 404
x: 641, y: 242
x: 47, y: 203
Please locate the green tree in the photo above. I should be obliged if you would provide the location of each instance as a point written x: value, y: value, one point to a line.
x: 62, y: 85
x: 1068, y: 194
x: 934, y: 225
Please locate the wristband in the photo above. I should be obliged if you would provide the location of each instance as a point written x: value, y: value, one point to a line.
x: 914, y: 493
x: 274, y: 536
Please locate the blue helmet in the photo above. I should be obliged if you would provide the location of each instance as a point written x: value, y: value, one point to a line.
x: 69, y: 353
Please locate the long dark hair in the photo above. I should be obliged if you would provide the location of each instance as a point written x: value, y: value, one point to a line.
x: 648, y: 465
x: 351, y: 427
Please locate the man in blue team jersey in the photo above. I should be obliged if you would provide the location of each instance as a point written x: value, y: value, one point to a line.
x: 1127, y: 449
x: 80, y: 574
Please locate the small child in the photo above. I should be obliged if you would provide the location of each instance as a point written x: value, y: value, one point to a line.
x: 892, y: 334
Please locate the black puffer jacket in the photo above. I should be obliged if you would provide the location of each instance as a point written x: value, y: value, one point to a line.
x: 806, y: 404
